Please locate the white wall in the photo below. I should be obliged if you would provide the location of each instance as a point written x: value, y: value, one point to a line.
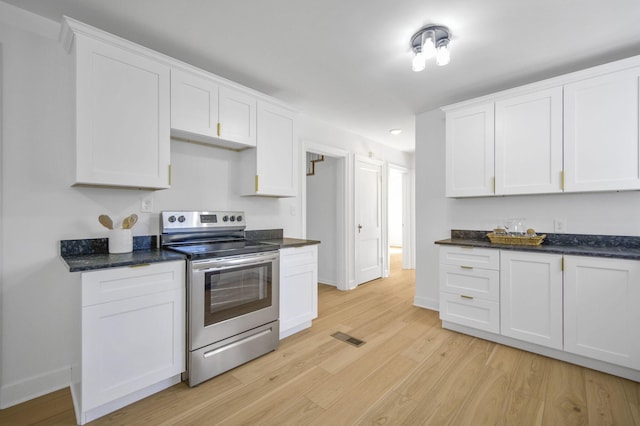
x: 40, y: 298
x: 322, y: 217
x: 611, y: 213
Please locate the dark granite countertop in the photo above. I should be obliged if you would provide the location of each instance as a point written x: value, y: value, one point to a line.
x: 275, y: 237
x: 611, y: 246
x: 290, y: 242
x: 92, y: 254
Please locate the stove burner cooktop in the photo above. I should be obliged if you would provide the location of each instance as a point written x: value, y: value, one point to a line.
x: 220, y: 249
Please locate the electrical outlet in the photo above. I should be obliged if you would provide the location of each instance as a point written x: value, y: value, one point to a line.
x: 559, y: 226
x: 146, y: 205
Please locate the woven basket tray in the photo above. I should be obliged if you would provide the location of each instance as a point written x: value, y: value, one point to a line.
x: 516, y: 240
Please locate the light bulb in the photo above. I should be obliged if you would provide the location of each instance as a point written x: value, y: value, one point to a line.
x: 428, y: 49
x: 443, y: 56
x: 419, y: 62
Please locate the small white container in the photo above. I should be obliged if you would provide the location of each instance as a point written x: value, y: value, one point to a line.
x: 120, y: 241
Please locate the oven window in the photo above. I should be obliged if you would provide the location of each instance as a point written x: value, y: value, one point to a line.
x: 234, y: 292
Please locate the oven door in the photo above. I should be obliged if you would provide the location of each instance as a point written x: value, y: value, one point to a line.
x: 231, y: 295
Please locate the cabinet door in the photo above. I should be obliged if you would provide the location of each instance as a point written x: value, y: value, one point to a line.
x: 601, y: 141
x: 531, y: 297
x: 601, y: 314
x: 298, y: 288
x: 272, y: 169
x: 194, y: 106
x: 470, y: 151
x: 130, y: 344
x: 133, y: 329
x: 237, y: 116
x: 529, y: 143
x: 470, y: 311
x: 122, y: 117
x: 470, y: 281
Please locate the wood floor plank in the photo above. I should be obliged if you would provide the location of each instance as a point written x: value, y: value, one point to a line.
x: 484, y: 403
x: 606, y: 401
x: 421, y: 385
x: 282, y: 401
x: 565, y: 397
x: 355, y: 399
x: 410, y: 371
x: 327, y: 393
x: 453, y: 389
x: 525, y: 399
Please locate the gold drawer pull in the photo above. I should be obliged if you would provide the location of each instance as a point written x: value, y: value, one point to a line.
x: 466, y: 267
x: 139, y: 265
x: 466, y: 297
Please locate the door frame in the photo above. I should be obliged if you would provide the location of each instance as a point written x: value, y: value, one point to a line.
x: 345, y: 254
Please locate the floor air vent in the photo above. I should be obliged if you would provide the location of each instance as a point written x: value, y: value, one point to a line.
x: 346, y: 338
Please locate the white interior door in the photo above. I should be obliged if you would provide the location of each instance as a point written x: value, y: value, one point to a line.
x: 368, y: 226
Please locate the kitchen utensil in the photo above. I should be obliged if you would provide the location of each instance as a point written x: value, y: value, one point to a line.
x: 105, y: 221
x: 129, y: 221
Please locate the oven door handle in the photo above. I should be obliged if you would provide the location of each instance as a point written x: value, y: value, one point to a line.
x: 229, y: 263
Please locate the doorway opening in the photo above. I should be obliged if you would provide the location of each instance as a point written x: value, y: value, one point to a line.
x: 398, y: 217
x: 326, y: 207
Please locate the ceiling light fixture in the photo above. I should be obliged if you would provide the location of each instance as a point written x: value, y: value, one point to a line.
x: 432, y: 40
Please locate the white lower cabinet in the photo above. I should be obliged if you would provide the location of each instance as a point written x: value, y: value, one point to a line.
x: 531, y: 297
x: 601, y: 309
x: 469, y: 287
x: 132, y: 336
x: 298, y: 288
x: 579, y: 309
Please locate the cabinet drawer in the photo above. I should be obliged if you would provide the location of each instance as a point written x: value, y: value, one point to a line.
x: 109, y: 285
x: 471, y: 312
x: 470, y: 281
x: 470, y: 256
x: 295, y: 256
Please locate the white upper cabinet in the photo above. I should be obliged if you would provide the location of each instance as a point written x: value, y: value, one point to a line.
x: 578, y: 132
x: 528, y: 143
x: 237, y: 116
x: 602, y: 147
x: 470, y: 151
x: 271, y: 169
x: 194, y: 106
x: 205, y: 111
x: 121, y: 110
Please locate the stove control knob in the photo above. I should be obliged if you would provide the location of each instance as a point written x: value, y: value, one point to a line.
x: 225, y: 219
x: 239, y: 218
x: 181, y: 219
x: 232, y: 218
x: 172, y: 219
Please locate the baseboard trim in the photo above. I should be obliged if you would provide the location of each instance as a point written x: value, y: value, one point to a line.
x: 616, y: 370
x: 425, y: 302
x: 33, y: 387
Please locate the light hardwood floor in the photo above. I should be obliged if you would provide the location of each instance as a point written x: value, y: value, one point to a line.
x: 410, y: 371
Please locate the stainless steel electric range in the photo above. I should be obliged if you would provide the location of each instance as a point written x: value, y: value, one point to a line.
x: 232, y: 290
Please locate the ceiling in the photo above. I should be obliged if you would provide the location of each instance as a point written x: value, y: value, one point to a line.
x: 348, y: 62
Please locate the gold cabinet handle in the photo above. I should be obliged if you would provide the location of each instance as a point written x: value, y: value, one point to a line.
x: 219, y: 129
x: 466, y: 297
x: 466, y: 267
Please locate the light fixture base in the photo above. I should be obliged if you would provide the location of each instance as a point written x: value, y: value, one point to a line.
x: 429, y: 41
